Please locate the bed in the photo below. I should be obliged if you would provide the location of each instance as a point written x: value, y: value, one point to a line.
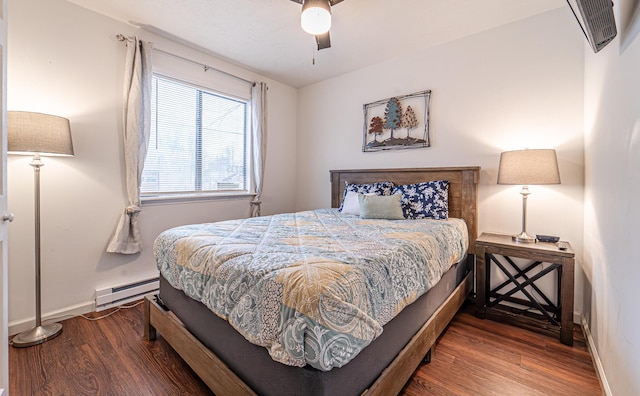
x: 229, y: 364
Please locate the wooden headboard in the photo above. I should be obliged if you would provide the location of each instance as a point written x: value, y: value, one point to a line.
x: 463, y: 188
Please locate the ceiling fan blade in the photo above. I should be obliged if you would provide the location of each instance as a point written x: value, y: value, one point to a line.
x: 297, y: 1
x: 323, y: 41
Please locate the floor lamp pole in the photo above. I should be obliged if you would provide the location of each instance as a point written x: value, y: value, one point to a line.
x: 38, y: 334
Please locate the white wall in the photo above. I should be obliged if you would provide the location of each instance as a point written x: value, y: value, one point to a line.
x: 513, y: 87
x: 612, y: 212
x: 65, y: 60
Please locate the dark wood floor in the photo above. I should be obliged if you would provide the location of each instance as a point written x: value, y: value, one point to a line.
x: 482, y: 357
x: 474, y: 357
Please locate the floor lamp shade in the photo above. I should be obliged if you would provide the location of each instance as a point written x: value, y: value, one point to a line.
x: 30, y: 133
x: 528, y: 167
x: 38, y: 134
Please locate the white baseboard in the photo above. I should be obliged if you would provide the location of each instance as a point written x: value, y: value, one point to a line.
x: 19, y: 326
x: 597, y: 363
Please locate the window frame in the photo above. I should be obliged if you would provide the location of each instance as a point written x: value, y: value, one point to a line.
x: 209, y: 195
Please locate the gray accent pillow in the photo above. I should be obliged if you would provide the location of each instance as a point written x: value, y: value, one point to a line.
x: 381, y: 207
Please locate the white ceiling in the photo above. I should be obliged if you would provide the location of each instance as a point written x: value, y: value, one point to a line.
x: 265, y: 35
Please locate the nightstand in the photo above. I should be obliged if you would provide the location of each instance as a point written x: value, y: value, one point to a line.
x: 517, y: 297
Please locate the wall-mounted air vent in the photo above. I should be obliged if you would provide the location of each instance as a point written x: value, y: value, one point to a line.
x: 596, y: 20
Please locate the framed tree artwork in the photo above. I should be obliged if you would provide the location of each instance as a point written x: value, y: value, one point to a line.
x: 400, y: 122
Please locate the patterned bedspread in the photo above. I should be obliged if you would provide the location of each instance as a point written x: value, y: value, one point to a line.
x: 313, y: 287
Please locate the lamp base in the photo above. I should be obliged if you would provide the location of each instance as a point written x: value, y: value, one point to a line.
x: 523, y: 237
x: 37, y: 335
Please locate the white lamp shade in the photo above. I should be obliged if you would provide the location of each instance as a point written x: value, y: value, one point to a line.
x: 529, y: 167
x: 30, y: 133
x: 316, y: 16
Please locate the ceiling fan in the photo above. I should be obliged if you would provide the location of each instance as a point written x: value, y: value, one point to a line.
x: 316, y: 19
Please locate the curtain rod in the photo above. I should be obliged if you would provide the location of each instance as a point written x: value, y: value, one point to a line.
x: 206, y: 67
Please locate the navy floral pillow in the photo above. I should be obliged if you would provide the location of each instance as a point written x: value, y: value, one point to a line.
x: 378, y: 188
x: 425, y: 200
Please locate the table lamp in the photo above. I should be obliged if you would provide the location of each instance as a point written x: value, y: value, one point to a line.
x: 38, y: 134
x: 528, y: 167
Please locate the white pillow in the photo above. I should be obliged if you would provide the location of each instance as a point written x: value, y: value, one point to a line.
x: 351, y: 204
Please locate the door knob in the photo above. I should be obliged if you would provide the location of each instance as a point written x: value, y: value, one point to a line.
x: 7, y: 217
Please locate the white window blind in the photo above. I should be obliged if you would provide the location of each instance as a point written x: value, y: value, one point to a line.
x: 198, y: 141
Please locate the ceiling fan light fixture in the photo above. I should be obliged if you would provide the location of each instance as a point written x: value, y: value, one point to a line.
x: 316, y: 16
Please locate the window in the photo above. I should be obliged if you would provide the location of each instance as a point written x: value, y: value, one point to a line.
x: 198, y: 143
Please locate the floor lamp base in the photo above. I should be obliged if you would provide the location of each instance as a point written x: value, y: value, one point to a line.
x: 37, y: 335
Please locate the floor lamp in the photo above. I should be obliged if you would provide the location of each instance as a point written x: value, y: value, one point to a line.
x: 38, y: 134
x: 528, y: 167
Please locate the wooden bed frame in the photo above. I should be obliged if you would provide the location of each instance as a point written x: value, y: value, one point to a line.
x: 463, y: 196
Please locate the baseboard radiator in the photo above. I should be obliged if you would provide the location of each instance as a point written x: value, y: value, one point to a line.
x: 115, y: 296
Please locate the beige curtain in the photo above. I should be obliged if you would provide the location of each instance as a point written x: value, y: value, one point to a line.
x: 137, y: 115
x: 259, y: 141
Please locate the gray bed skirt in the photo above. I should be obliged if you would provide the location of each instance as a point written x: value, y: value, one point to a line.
x: 255, y: 367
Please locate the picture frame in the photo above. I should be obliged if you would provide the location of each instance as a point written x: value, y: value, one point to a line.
x: 396, y: 123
